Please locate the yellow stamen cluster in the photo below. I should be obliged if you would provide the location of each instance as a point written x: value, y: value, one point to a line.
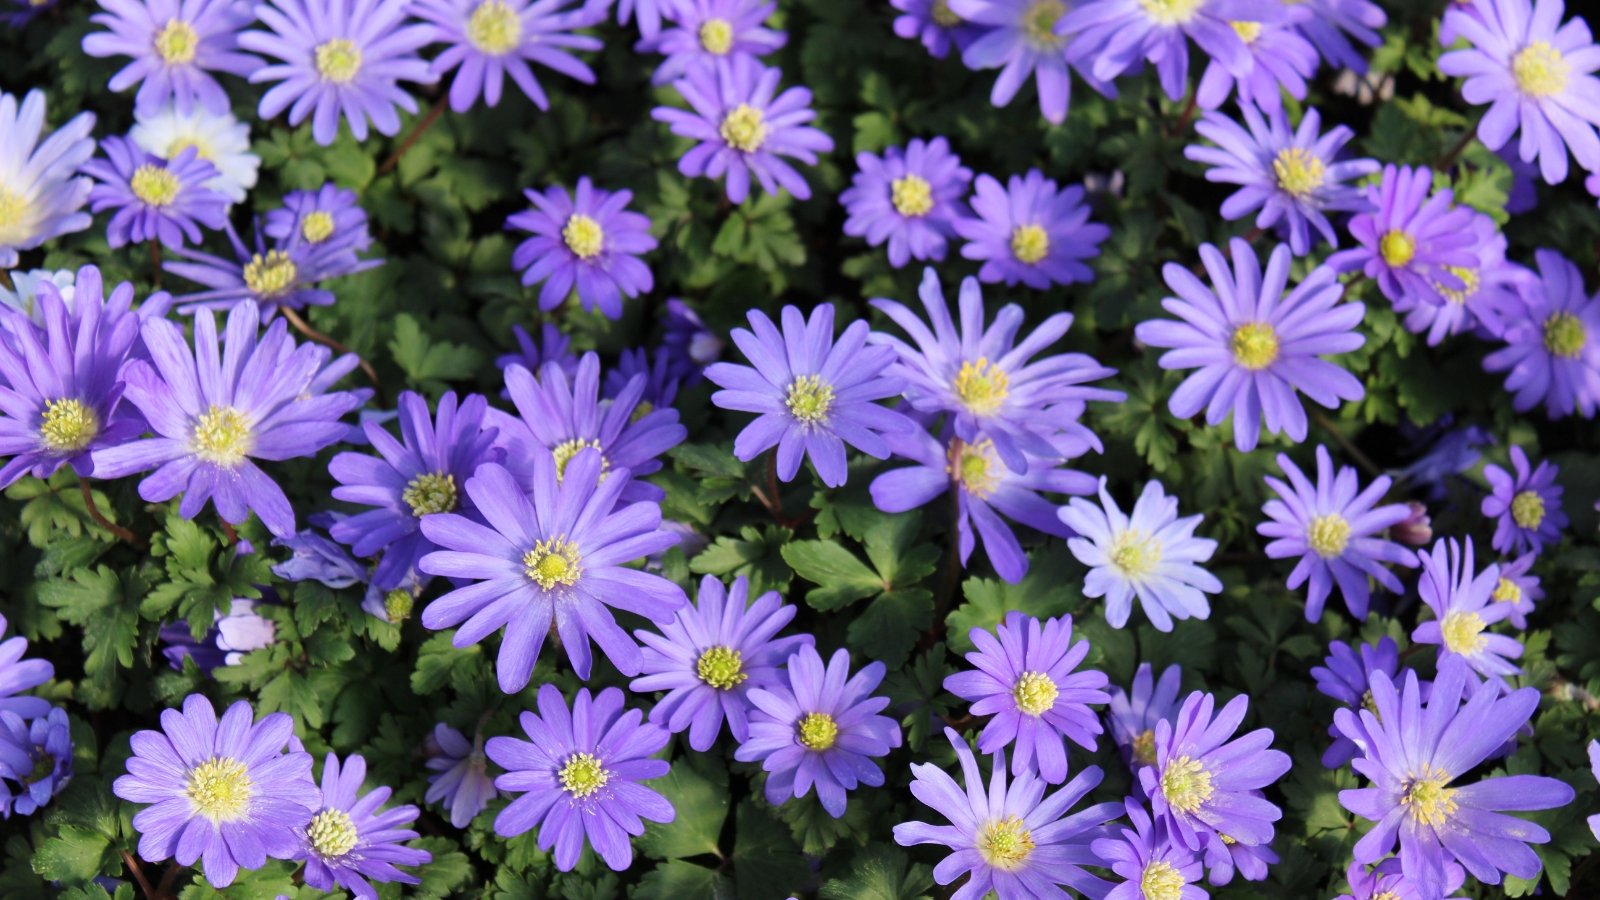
x: 338, y: 60
x: 583, y: 236
x: 1035, y: 693
x: 553, y: 561
x: 911, y: 195
x: 1029, y: 243
x: 1005, y: 843
x: 1039, y: 23
x: 1328, y: 535
x: 942, y: 15
x: 982, y: 386
x: 431, y: 492
x: 272, y: 275
x: 974, y: 466
x: 332, y: 834
x: 744, y: 128
x: 716, y: 36
x: 219, y: 789
x: 1427, y: 797
x: 1160, y: 881
x: 566, y: 450
x: 721, y: 667
x: 177, y: 42
x: 202, y: 150
x: 14, y: 210
x: 494, y: 28
x: 1171, y: 12
x: 154, y: 185
x: 1298, y: 171
x: 397, y: 604
x: 1247, y: 31
x: 1527, y: 509
x: 1564, y: 335
x: 1463, y: 633
x: 1397, y: 248
x: 1134, y: 553
x: 583, y: 775
x: 1186, y: 784
x: 1507, y: 591
x: 817, y: 731
x: 1469, y: 284
x: 1254, y: 345
x: 68, y: 425
x: 809, y: 399
x: 1540, y: 70
x: 1144, y: 747
x: 317, y: 226
x: 221, y: 436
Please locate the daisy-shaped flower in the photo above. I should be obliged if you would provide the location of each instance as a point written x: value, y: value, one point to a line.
x: 174, y: 46
x: 1030, y: 232
x: 217, y: 138
x: 1462, y: 601
x: 1537, y: 75
x: 326, y: 222
x: 552, y: 347
x: 1024, y: 678
x: 1518, y: 588
x: 1255, y: 347
x: 648, y: 13
x: 559, y: 553
x: 37, y: 755
x: 492, y: 39
x: 813, y: 395
x: 1224, y: 858
x: 218, y: 408
x: 1008, y: 838
x: 693, y: 345
x: 461, y: 779
x: 744, y: 128
x: 41, y: 193
x: 819, y: 727
x: 1388, y: 881
x: 1333, y: 23
x: 23, y: 295
x: 588, y: 240
x: 1020, y: 38
x: 1205, y: 783
x: 352, y: 838
x: 1490, y: 292
x: 579, y: 776
x: 154, y: 198
x: 286, y: 274
x: 18, y: 674
x: 1594, y: 768
x: 1526, y: 505
x: 712, y: 656
x: 1152, y: 864
x: 1412, y: 240
x: 1293, y: 176
x: 1346, y: 676
x: 1281, y: 60
x: 1112, y: 36
x: 1152, y: 555
x: 1552, y: 351
x: 339, y: 57
x: 1133, y: 714
x: 1335, y: 529
x: 935, y: 25
x: 237, y: 632
x: 658, y: 370
x: 708, y: 30
x: 1412, y: 753
x: 224, y: 793
x: 910, y: 198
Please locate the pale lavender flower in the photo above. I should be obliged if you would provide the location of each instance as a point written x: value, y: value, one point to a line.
x: 1526, y: 506
x: 175, y: 45
x: 1552, y: 351
x: 492, y: 39
x: 1030, y: 231
x: 41, y: 194
x: 1462, y: 601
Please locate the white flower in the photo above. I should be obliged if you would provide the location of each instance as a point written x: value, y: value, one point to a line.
x: 24, y: 294
x: 217, y: 138
x: 41, y: 194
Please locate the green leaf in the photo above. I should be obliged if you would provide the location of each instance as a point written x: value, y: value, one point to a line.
x: 755, y: 554
x: 675, y: 879
x: 880, y: 872
x: 104, y: 606
x: 440, y: 663
x: 888, y: 627
x: 1047, y: 590
x: 701, y: 801
x: 428, y: 362
x: 766, y: 863
x: 446, y: 874
x: 844, y: 578
x: 74, y: 855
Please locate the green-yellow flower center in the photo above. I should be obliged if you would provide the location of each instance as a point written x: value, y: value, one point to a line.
x: 332, y: 834
x: 1463, y: 632
x: 1507, y: 591
x: 1527, y: 509
x: 177, y: 42
x: 14, y: 210
x: 1540, y: 70
x: 430, y: 492
x: 582, y: 775
x: 1134, y: 553
x: 912, y: 195
x: 973, y: 466
x: 1469, y: 284
x: 583, y: 236
x: 202, y: 150
x: 1397, y: 248
x: 1039, y: 23
x: 1328, y: 535
x: 982, y: 386
x: 1254, y: 345
x: 744, y: 128
x: 566, y: 450
x: 1186, y: 784
x: 1035, y: 693
x: 1564, y: 335
x: 1428, y: 799
x: 942, y: 15
x: 220, y: 789
x: 397, y: 604
x: 1386, y: 895
x: 1029, y: 243
x: 1005, y: 843
x: 1171, y: 12
x: 338, y: 60
x: 43, y: 765
x: 553, y: 561
x: 317, y: 226
x: 154, y: 185
x: 1299, y: 171
x: 494, y: 28
x: 68, y: 425
x: 221, y: 436
x: 1160, y: 881
x: 1144, y: 747
x: 270, y: 276
x: 721, y: 667
x: 1369, y: 703
x: 817, y: 731
x: 716, y: 36
x: 809, y: 399
x: 1248, y: 32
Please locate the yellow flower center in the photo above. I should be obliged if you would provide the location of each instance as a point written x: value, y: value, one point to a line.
x: 177, y: 42
x: 1299, y: 171
x: 1029, y: 243
x: 202, y: 150
x: 942, y: 14
x: 1369, y: 703
x: 220, y: 789
x: 809, y: 399
x: 744, y: 128
x: 1035, y: 693
x: 68, y: 425
x: 1386, y: 895
x: 721, y: 667
x: 1134, y: 553
x: 1427, y: 797
x: 338, y: 60
x: 430, y: 492
x: 1186, y: 784
x: 1507, y: 591
x: 553, y: 561
x: 1397, y: 248
x: 1039, y: 23
x: 270, y: 276
x: 1469, y: 284
x: 1005, y: 843
x: 1254, y: 345
x: 1144, y: 747
x: 1540, y: 70
x: 331, y: 834
x: 317, y: 227
x: 494, y: 28
x: 221, y: 436
x: 154, y: 185
x: 817, y: 731
x: 397, y: 604
x: 566, y: 450
x: 1171, y: 12
x: 582, y: 775
x: 583, y: 236
x: 1161, y: 881
x: 1248, y: 32
x: 1527, y: 509
x: 716, y: 36
x: 1328, y: 535
x: 912, y: 195
x: 982, y: 386
x: 14, y: 209
x: 974, y: 466
x: 1463, y: 632
x: 1564, y: 335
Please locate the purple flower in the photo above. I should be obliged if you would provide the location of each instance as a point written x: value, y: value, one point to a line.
x: 339, y: 57
x: 327, y: 221
x: 1450, y: 451
x: 491, y: 39
x: 579, y: 775
x: 18, y: 674
x: 1021, y: 38
x: 1133, y: 714
x: 649, y: 12
x: 1254, y: 346
x: 1293, y: 176
x: 1552, y: 350
x: 1594, y: 768
x: 418, y: 476
x: 910, y: 198
x: 221, y: 792
x: 1024, y: 678
x: 934, y: 24
x: 1153, y: 865
x: 1347, y: 678
x: 1410, y: 243
x: 659, y: 371
x: 154, y: 198
x: 819, y: 727
x: 1412, y: 752
x: 26, y: 11
x: 284, y: 275
x: 709, y: 30
x: 1281, y: 60
x: 461, y: 775
x: 42, y: 195
x: 1538, y: 76
x: 1205, y: 783
x: 1335, y: 529
x: 37, y: 755
x: 588, y: 240
x: 556, y: 554
x: 812, y: 395
x: 1462, y: 601
x: 553, y: 347
x: 1526, y: 507
x: 743, y: 126
x: 237, y: 632
x: 1151, y: 554
x: 1489, y: 295
x: 317, y: 558
x: 1225, y: 857
x: 693, y: 346
x: 1009, y: 839
x: 1333, y: 23
x: 175, y: 46
x: 711, y: 656
x: 1030, y: 232
x: 1518, y: 589
x: 1388, y: 881
x: 352, y: 838
x: 1112, y: 36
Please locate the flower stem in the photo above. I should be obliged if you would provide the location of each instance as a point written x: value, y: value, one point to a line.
x: 137, y: 871
x: 155, y: 263
x: 122, y: 534
x: 305, y: 328
x: 1460, y: 147
x: 227, y: 529
x: 1187, y: 116
x: 1333, y: 431
x: 417, y: 132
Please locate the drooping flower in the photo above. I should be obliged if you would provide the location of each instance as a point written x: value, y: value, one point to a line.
x: 934, y: 24
x: 1009, y: 839
x: 1255, y: 347
x: 23, y: 295
x: 712, y: 655
x: 217, y: 408
x: 1333, y: 23
x: 1518, y: 588
x: 1293, y: 176
x: 492, y: 39
x: 418, y: 476
x: 41, y: 193
x: 557, y: 553
x: 659, y: 371
x: 1133, y: 714
x: 1113, y: 36
x: 1413, y: 752
x: 461, y: 780
x: 237, y: 632
x: 1024, y: 678
x: 18, y: 674
x: 24, y: 11
x: 579, y: 776
x: 174, y: 46
x: 225, y: 793
x: 352, y: 838
x: 812, y: 394
x: 1030, y: 232
x: 339, y: 57
x: 1490, y: 292
x: 1021, y: 38
x: 1224, y: 857
x: 218, y: 138
x: 588, y: 240
x: 1552, y: 351
x: 708, y: 30
x: 154, y: 198
x: 286, y: 274
x: 37, y: 755
x: 744, y: 127
x: 693, y: 346
x: 1388, y: 881
x: 910, y: 198
x: 1335, y: 529
x: 326, y: 222
x: 1462, y: 600
x: 317, y: 558
x: 1526, y: 505
x: 1151, y: 862
x: 819, y: 727
x: 553, y: 347
x: 1412, y: 240
x: 1281, y: 60
x: 1152, y: 555
x: 1449, y: 452
x: 1347, y: 677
